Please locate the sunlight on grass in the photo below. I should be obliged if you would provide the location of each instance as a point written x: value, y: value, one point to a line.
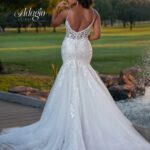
x: 11, y: 80
x: 40, y: 82
x: 35, y: 52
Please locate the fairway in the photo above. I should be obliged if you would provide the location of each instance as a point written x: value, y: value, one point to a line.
x: 32, y: 52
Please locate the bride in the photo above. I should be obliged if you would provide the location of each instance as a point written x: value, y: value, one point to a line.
x: 80, y: 113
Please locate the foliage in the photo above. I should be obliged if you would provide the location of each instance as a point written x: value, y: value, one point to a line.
x: 54, y: 72
x: 110, y: 10
x: 10, y: 80
x: 41, y: 82
x: 124, y: 10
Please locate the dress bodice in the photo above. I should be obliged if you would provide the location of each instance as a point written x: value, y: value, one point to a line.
x: 76, y: 47
x: 70, y: 33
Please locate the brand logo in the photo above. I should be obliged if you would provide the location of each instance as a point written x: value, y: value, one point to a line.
x: 28, y: 14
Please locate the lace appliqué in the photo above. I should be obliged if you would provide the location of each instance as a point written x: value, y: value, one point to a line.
x: 72, y: 111
x: 70, y: 33
x: 74, y: 103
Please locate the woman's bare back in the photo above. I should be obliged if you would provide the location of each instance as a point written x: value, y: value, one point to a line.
x: 80, y: 18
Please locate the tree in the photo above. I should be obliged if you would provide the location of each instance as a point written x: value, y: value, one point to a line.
x: 104, y: 7
x: 124, y: 10
x: 4, y: 14
x: 133, y: 10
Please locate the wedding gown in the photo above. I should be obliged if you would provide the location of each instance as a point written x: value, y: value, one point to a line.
x: 80, y: 113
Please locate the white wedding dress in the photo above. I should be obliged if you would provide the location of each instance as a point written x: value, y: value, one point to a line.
x: 80, y: 113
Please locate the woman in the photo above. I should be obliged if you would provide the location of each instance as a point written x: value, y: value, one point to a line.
x: 80, y: 113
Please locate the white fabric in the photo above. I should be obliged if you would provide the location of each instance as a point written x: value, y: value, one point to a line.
x: 80, y: 113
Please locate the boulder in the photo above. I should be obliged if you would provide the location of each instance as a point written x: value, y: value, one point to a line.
x: 29, y: 91
x: 126, y: 85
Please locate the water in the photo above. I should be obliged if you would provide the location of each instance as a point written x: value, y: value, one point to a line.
x: 137, y: 110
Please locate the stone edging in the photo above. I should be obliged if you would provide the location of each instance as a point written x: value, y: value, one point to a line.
x: 21, y: 99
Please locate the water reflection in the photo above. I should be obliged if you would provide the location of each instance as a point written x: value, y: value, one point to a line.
x: 138, y: 109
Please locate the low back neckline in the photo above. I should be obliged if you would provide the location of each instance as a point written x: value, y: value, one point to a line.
x: 84, y: 28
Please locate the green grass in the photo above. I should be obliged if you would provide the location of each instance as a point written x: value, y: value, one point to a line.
x: 118, y: 48
x: 34, y: 53
x: 10, y: 80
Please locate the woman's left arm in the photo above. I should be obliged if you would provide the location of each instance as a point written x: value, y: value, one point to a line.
x: 59, y: 17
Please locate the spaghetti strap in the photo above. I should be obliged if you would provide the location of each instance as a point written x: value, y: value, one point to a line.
x: 94, y: 11
x: 68, y: 13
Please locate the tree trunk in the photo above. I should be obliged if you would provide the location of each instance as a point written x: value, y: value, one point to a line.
x: 105, y: 24
x: 134, y: 24
x: 124, y: 24
x: 1, y: 67
x: 131, y: 25
x: 3, y: 28
x: 37, y: 27
x: 54, y: 29
x: 45, y: 28
x: 112, y: 23
x: 18, y: 28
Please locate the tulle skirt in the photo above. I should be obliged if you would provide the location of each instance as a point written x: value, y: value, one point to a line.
x: 79, y: 114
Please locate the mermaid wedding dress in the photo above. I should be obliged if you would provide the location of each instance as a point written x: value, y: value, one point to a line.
x: 80, y: 113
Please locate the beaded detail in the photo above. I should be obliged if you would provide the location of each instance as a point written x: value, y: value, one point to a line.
x: 70, y: 33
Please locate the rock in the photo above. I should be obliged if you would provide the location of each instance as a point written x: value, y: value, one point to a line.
x: 125, y: 85
x: 147, y: 81
x: 118, y: 93
x: 131, y: 82
x: 29, y: 91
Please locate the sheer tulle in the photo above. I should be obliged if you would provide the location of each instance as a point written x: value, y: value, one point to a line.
x: 79, y: 114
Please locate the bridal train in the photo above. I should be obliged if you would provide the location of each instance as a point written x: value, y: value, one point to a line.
x: 80, y: 113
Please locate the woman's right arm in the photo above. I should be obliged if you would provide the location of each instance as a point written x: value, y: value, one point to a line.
x: 59, y: 17
x: 97, y: 29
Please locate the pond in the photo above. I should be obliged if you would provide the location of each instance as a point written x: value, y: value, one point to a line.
x: 137, y: 110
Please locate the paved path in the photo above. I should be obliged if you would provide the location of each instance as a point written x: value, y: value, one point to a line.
x: 13, y: 114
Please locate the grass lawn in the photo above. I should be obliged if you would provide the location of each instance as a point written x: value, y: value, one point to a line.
x: 34, y: 53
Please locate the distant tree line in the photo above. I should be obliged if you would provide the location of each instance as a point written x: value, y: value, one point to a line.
x: 123, y: 10
x: 110, y: 10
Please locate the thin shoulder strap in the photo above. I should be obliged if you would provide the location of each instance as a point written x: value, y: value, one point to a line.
x: 94, y: 16
x: 68, y: 13
x: 94, y: 11
x: 97, y: 12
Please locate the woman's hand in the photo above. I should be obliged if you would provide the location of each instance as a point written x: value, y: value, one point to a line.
x: 62, y: 5
x: 59, y: 13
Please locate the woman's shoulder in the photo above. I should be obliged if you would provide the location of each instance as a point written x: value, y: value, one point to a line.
x: 65, y: 12
x: 96, y: 12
